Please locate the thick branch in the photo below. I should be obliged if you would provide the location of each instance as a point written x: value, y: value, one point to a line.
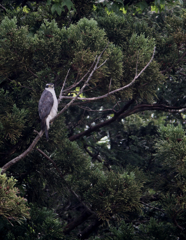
x: 76, y: 222
x: 91, y: 129
x: 31, y: 147
x: 24, y: 154
x: 123, y: 113
x: 156, y: 106
x: 102, y: 124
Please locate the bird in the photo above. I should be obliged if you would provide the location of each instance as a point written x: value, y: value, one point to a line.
x: 47, y: 107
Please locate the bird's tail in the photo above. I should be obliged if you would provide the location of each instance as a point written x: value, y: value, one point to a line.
x: 44, y: 128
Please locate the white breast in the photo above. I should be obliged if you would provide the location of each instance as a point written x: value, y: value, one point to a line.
x: 54, y: 109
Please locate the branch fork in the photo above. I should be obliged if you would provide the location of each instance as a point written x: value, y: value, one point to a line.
x: 89, y: 75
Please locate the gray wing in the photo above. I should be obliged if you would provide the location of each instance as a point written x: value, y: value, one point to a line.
x: 45, y: 104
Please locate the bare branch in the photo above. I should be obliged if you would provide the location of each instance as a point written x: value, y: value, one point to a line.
x: 125, y: 113
x: 76, y: 84
x: 91, y: 110
x: 3, y: 7
x: 85, y: 84
x: 160, y: 107
x: 137, y: 66
x: 158, y: 209
x: 33, y: 73
x: 102, y: 124
x: 102, y: 64
x: 118, y: 89
x: 182, y: 73
x: 116, y: 116
x: 61, y: 92
x: 35, y: 141
x: 24, y: 154
x: 110, y: 85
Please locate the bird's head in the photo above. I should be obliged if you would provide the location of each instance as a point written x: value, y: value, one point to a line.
x: 49, y: 85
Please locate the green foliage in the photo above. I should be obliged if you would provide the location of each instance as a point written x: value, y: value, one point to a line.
x: 12, y: 206
x: 157, y: 230
x: 152, y: 230
x: 59, y: 6
x: 113, y: 193
x: 137, y: 51
x: 43, y: 224
x: 128, y: 174
x: 13, y: 124
x: 124, y: 232
x: 172, y: 146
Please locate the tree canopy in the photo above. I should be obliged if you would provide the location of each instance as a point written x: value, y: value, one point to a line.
x: 114, y: 165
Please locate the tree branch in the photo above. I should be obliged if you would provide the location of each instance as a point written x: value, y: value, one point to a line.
x: 1, y: 6
x: 124, y: 113
x: 85, y: 84
x: 156, y: 106
x: 69, y: 227
x: 77, y: 83
x: 24, y: 154
x: 118, y: 89
x: 61, y: 92
x: 31, y: 147
x: 33, y: 73
x: 67, y: 185
x: 102, y: 124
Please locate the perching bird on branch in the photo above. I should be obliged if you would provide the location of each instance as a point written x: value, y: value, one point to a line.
x: 48, y: 106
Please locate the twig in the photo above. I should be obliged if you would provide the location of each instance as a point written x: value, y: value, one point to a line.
x: 110, y: 85
x: 61, y: 92
x: 76, y: 84
x: 158, y: 209
x: 182, y: 73
x: 54, y: 164
x: 3, y: 8
x: 137, y: 66
x: 125, y: 113
x: 93, y: 155
x: 67, y: 185
x: 24, y: 154
x: 102, y: 64
x: 102, y: 124
x: 118, y: 89
x: 33, y: 73
x: 35, y: 141
x: 175, y: 221
x: 91, y: 110
x: 85, y: 84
